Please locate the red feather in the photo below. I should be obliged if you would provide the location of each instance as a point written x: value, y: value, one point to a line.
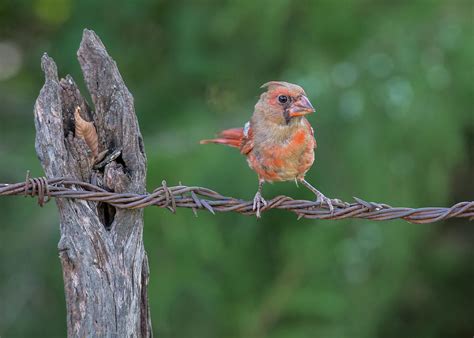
x: 231, y: 137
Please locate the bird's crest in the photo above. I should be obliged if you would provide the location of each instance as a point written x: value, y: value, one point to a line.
x: 272, y: 84
x: 293, y: 88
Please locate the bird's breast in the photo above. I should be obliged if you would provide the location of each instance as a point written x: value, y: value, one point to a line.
x: 283, y: 158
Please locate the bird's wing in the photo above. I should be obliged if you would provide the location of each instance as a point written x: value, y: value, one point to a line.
x: 247, y: 139
x: 311, y: 130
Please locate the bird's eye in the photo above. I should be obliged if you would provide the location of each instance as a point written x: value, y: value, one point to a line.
x: 283, y: 99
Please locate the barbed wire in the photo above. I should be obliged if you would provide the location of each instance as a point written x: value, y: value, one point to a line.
x: 199, y: 198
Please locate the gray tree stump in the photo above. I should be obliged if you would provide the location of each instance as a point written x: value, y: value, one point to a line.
x: 105, y: 267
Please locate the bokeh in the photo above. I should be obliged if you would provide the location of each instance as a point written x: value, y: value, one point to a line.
x: 392, y: 83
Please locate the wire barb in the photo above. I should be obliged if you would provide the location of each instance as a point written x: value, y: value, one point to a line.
x: 199, y: 198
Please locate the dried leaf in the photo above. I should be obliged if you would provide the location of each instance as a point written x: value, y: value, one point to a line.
x: 87, y: 131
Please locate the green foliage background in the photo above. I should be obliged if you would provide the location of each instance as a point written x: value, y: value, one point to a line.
x: 392, y: 83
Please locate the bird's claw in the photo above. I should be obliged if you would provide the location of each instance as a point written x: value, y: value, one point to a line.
x: 323, y: 199
x: 257, y: 200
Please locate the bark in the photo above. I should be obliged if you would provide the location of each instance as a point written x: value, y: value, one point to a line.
x: 105, y: 267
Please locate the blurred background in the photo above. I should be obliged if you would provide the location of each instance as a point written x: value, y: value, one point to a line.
x: 392, y: 83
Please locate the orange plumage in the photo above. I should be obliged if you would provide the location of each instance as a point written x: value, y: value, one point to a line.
x: 278, y: 141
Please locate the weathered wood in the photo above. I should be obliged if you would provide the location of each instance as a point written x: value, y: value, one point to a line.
x: 104, y: 263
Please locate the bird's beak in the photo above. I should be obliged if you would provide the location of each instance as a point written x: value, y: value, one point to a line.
x: 301, y: 107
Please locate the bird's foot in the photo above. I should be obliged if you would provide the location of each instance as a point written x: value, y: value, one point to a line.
x: 323, y: 199
x: 258, y: 201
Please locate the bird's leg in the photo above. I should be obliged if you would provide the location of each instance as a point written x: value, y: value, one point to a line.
x: 258, y: 199
x: 296, y: 182
x: 320, y: 197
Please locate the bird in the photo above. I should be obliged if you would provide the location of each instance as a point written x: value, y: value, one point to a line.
x: 278, y: 140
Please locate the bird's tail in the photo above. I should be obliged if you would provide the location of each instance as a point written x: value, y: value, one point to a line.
x: 230, y: 137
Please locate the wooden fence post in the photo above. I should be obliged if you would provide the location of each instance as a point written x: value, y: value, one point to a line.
x: 105, y: 267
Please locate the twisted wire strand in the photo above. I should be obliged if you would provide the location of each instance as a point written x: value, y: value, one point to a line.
x: 199, y: 198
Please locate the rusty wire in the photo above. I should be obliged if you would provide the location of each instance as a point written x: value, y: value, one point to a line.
x: 197, y: 198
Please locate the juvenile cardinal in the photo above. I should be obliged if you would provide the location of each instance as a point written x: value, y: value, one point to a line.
x: 278, y: 141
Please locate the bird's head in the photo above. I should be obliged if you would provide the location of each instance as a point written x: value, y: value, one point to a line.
x: 283, y: 102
